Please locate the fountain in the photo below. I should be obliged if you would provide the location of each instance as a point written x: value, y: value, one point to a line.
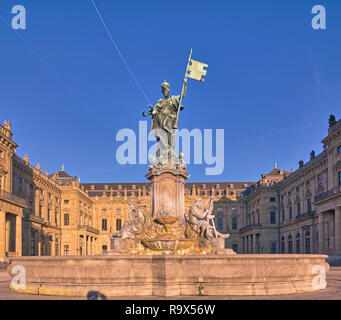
x: 168, y: 252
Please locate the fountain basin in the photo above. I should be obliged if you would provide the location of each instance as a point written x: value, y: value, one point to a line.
x: 167, y: 244
x: 172, y: 275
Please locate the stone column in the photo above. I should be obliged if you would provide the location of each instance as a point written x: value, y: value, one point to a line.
x: 321, y: 233
x: 39, y: 244
x: 18, y: 235
x: 337, y: 229
x: 251, y: 244
x: 53, y: 244
x: 2, y: 233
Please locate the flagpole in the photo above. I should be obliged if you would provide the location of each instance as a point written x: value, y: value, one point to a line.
x: 182, y: 91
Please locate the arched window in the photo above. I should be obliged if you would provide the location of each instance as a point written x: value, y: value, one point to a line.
x: 298, y: 243
x: 290, y: 243
x: 307, y: 242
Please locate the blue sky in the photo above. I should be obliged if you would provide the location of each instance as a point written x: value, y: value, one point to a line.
x: 272, y: 80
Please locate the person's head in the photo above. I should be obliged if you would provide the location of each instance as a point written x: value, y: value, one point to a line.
x: 165, y: 89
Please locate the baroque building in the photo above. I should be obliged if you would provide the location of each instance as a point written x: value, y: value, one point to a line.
x: 283, y: 212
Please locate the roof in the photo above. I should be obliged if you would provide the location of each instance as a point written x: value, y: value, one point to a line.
x: 60, y: 174
x: 188, y: 185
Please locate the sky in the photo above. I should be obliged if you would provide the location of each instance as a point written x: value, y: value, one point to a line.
x: 272, y: 80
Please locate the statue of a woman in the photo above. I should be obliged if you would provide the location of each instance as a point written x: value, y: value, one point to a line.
x: 164, y: 115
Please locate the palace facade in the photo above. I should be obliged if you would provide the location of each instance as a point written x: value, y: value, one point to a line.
x: 283, y: 212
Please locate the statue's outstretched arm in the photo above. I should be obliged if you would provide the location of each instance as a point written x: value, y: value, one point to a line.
x: 150, y: 112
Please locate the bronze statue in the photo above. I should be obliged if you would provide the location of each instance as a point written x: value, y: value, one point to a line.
x: 164, y: 123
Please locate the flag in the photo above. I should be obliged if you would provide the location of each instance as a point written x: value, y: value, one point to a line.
x: 195, y: 70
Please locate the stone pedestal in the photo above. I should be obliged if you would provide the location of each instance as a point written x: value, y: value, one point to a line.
x: 168, y: 190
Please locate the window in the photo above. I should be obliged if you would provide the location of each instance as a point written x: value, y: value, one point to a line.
x: 1, y: 154
x: 298, y: 243
x: 298, y: 209
x: 118, y: 224
x: 289, y: 194
x: 272, y: 199
x: 220, y: 224
x: 234, y: 224
x: 48, y: 215
x: 339, y: 174
x: 66, y: 250
x: 320, y: 177
x: 66, y: 219
x: 273, y: 248
x: 307, y: 242
x: 40, y: 211
x: 104, y: 225
x: 235, y: 248
x: 118, y: 210
x: 290, y: 213
x: 309, y: 205
x: 219, y: 209
x: 338, y: 149
x: 283, y: 215
x: 282, y: 244
x: 19, y: 180
x: 33, y: 245
x: 104, y: 210
x: 66, y: 201
x: 289, y: 244
x: 273, y: 217
x: 56, y: 217
x: 104, y: 249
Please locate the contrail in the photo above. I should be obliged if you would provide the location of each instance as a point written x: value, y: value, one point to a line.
x: 119, y: 52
